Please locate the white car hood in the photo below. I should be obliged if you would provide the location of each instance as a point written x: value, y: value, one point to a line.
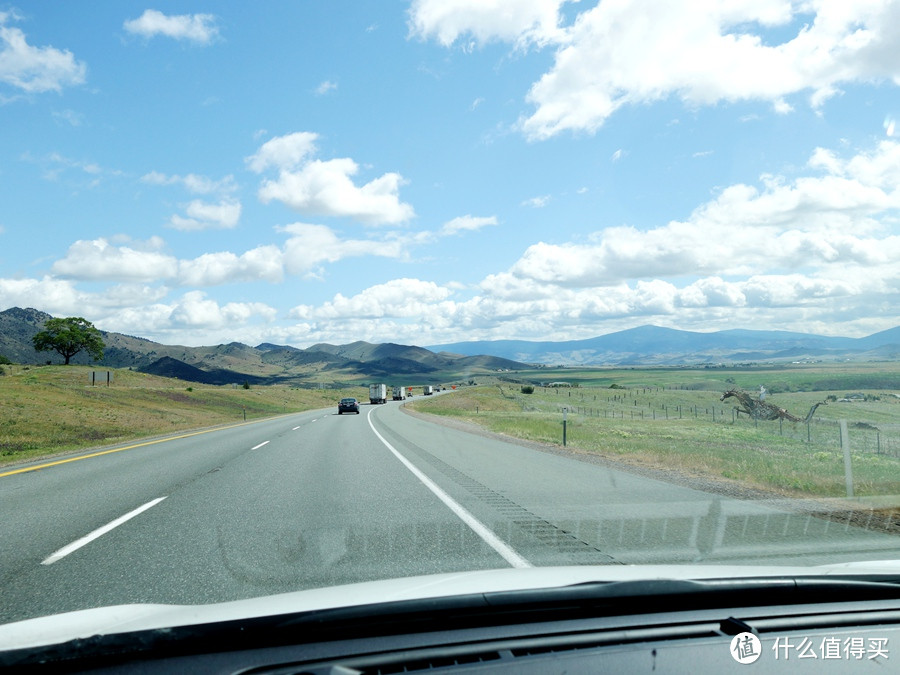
x: 68, y: 626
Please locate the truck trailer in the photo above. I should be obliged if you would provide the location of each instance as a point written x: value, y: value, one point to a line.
x: 398, y: 393
x: 377, y: 393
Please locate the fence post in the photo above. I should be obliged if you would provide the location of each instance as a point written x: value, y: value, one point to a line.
x: 848, y: 470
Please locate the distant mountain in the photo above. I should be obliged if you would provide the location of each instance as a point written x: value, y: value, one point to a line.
x: 236, y: 362
x: 655, y: 345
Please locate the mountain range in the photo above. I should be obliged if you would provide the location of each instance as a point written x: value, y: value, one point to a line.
x: 322, y: 363
x: 266, y: 363
x: 654, y: 345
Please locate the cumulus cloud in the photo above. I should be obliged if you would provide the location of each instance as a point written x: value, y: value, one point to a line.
x: 308, y: 246
x: 192, y: 182
x: 809, y: 223
x: 264, y: 263
x: 816, y: 253
x: 634, y: 52
x: 203, y: 215
x: 195, y: 309
x: 199, y: 214
x: 99, y: 259
x: 520, y: 21
x: 467, y: 223
x: 35, y: 69
x: 284, y: 152
x: 198, y: 28
x: 395, y: 298
x: 325, y: 188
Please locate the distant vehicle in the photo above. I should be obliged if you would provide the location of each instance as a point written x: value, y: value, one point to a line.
x: 377, y: 393
x: 429, y: 390
x: 348, y: 405
x: 398, y: 393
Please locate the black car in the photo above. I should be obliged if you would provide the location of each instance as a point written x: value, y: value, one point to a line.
x: 348, y: 405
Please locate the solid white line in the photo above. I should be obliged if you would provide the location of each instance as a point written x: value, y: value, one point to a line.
x: 99, y: 532
x: 490, y: 538
x: 257, y: 447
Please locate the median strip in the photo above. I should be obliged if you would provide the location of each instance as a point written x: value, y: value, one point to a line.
x: 99, y: 532
x: 487, y: 535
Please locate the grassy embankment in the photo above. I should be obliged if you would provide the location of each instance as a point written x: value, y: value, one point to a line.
x: 673, y: 419
x: 48, y: 410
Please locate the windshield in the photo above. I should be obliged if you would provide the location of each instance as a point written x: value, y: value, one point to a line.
x: 605, y: 283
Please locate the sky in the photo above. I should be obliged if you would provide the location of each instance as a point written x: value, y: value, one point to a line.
x: 437, y: 171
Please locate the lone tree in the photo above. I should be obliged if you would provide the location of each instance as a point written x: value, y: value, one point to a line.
x: 69, y: 336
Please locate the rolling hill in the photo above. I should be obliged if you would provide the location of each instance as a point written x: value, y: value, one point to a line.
x: 236, y: 362
x: 655, y: 345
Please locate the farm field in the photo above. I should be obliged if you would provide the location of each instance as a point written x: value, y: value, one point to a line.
x: 673, y: 419
x: 49, y: 410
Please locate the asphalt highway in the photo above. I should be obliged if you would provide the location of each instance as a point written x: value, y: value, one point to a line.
x: 317, y: 499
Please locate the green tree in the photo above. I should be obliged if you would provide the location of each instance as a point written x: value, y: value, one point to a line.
x: 69, y: 336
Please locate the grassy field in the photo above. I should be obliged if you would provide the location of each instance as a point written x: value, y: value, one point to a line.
x: 673, y: 419
x: 48, y: 410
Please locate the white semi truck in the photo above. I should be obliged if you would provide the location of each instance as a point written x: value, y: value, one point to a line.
x: 377, y: 393
x: 428, y: 390
x: 398, y: 393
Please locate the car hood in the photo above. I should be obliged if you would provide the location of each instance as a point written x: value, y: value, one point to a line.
x: 59, y: 628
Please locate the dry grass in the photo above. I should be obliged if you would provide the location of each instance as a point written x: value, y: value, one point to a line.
x: 700, y: 438
x: 52, y: 409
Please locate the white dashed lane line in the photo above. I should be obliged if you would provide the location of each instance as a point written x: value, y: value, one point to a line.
x: 99, y: 532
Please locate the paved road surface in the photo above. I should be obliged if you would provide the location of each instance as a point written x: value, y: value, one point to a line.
x: 317, y: 499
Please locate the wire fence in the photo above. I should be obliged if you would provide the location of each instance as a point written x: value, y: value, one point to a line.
x: 642, y: 404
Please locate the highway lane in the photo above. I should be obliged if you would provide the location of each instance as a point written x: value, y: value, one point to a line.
x: 318, y: 499
x: 561, y: 508
x: 301, y: 501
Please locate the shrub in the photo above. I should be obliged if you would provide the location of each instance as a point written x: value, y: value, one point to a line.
x: 527, y: 389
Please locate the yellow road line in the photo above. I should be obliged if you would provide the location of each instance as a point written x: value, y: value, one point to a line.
x: 127, y: 447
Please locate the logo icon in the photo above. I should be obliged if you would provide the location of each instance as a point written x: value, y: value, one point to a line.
x: 745, y: 648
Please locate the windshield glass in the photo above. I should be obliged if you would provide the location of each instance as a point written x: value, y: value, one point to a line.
x: 605, y: 283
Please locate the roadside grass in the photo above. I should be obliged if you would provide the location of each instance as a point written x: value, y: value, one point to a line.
x: 692, y: 432
x: 48, y: 410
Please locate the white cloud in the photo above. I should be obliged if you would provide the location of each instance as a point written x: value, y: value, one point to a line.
x: 308, y: 246
x: 537, y: 202
x: 815, y: 222
x: 284, y: 152
x: 467, y: 223
x: 325, y: 87
x: 199, y: 28
x: 99, y: 260
x: 55, y: 296
x: 196, y: 310
x: 35, y: 69
x: 325, y: 188
x: 395, y: 298
x: 203, y: 215
x: 521, y: 21
x: 192, y: 182
x: 264, y: 263
x: 816, y: 253
x: 632, y: 52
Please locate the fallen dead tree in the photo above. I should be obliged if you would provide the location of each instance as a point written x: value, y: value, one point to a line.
x: 759, y: 409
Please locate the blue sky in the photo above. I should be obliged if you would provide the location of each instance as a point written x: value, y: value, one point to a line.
x: 443, y: 170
